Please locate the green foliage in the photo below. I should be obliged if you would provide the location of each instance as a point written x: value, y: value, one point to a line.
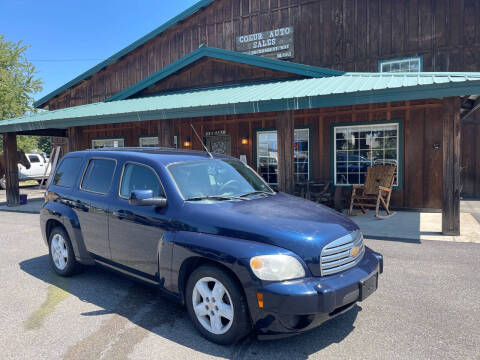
x: 18, y: 80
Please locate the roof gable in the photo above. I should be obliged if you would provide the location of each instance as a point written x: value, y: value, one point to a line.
x: 226, y: 55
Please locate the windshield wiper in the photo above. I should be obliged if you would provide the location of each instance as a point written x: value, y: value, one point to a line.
x: 214, y: 197
x: 259, y: 192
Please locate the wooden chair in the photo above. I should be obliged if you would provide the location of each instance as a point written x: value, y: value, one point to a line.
x: 376, y: 191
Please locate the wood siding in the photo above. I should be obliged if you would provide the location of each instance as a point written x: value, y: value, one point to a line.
x: 470, y: 152
x: 422, y: 128
x: 350, y: 35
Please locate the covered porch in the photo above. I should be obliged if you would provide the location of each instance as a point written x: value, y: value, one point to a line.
x: 422, y: 112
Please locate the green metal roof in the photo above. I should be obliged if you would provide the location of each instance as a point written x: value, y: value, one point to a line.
x: 205, y: 51
x: 179, y: 18
x: 347, y: 89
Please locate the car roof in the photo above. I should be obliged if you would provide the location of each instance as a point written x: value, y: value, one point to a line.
x: 161, y: 155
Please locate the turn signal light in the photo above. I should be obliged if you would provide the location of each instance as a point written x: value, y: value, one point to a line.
x: 260, y: 300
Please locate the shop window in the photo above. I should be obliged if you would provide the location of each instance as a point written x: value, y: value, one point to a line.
x: 101, y: 143
x: 413, y: 64
x: 356, y: 147
x: 267, y: 155
x: 148, y: 141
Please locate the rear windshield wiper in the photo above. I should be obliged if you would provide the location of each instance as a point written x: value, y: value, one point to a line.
x: 259, y: 192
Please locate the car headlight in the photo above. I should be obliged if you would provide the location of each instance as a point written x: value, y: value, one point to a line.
x: 276, y: 267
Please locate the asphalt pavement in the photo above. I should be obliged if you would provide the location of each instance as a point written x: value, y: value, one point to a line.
x: 427, y: 307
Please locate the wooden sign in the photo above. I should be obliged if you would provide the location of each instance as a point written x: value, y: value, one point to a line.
x: 276, y: 43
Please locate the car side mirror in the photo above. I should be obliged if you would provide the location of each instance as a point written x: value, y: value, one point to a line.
x: 145, y: 198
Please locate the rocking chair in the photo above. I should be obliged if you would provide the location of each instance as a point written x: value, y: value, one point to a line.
x: 376, y: 191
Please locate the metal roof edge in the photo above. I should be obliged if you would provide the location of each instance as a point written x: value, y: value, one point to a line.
x: 162, y: 28
x: 229, y: 55
x: 306, y: 102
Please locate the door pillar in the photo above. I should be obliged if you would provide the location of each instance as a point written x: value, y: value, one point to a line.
x: 451, y: 167
x: 285, y: 139
x: 165, y: 133
x: 11, y: 168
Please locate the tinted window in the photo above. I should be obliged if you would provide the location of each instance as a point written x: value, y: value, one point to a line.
x: 138, y: 177
x: 33, y: 158
x: 99, y: 175
x: 67, y: 172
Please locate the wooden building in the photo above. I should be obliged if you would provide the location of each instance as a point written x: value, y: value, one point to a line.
x: 300, y: 89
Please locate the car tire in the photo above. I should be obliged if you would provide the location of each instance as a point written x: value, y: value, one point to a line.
x: 3, y: 183
x: 209, y: 314
x: 62, y: 257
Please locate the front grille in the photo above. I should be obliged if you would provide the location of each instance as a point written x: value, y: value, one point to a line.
x: 337, y: 255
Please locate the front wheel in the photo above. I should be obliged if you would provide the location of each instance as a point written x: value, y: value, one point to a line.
x: 217, y: 306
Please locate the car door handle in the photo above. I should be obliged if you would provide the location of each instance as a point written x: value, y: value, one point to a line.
x: 121, y: 214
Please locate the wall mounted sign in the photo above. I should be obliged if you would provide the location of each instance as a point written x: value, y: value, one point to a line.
x: 215, y: 132
x: 276, y: 43
x: 219, y: 144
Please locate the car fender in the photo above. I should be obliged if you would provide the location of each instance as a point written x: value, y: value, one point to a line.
x: 232, y: 253
x: 64, y: 214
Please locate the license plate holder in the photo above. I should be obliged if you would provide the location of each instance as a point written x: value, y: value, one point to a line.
x: 368, y: 286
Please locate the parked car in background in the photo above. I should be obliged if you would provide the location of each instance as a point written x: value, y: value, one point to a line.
x: 209, y: 232
x: 38, y: 164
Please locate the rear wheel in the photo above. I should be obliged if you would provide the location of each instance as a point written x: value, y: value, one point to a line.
x: 217, y: 306
x: 62, y: 256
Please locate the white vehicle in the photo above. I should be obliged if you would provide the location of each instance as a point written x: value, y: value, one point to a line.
x: 38, y: 164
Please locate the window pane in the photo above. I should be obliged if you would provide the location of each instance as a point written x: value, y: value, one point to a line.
x: 98, y: 176
x: 148, y: 141
x: 101, y: 143
x: 267, y: 156
x: 137, y: 177
x: 359, y: 146
x: 401, y: 65
x: 33, y: 158
x: 67, y: 172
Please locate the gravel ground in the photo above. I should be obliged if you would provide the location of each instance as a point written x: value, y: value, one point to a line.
x: 426, y: 307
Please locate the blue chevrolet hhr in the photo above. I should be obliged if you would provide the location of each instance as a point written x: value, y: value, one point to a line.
x: 208, y: 231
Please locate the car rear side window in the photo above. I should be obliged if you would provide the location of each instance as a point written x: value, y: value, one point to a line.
x: 139, y: 177
x: 99, y: 175
x: 67, y: 172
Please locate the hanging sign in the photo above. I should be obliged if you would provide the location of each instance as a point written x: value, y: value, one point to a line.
x: 276, y: 43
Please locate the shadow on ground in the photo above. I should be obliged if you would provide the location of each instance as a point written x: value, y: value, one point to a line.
x: 135, y: 303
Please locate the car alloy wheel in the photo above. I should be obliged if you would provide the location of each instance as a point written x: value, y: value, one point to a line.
x: 213, y: 305
x: 58, y: 247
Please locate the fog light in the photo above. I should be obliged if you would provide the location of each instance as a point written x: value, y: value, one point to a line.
x: 260, y: 300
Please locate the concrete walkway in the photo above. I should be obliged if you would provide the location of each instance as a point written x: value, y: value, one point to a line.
x: 417, y: 226
x: 34, y: 200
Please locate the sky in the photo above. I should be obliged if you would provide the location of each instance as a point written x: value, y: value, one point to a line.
x: 69, y: 37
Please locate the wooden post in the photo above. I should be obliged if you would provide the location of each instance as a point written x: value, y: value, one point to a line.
x: 165, y: 133
x: 451, y: 167
x: 74, y: 142
x: 285, y: 139
x: 11, y: 168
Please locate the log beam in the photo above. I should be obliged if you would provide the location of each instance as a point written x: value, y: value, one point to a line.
x: 11, y: 168
x: 285, y: 138
x: 165, y: 133
x: 451, y: 167
x: 74, y: 139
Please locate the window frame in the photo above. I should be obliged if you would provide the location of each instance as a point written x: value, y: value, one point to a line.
x: 400, y: 147
x: 80, y: 187
x: 58, y: 167
x: 299, y: 127
x: 139, y: 164
x: 107, y: 138
x: 147, y: 136
x: 416, y: 57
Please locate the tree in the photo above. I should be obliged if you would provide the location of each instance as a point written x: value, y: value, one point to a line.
x: 18, y: 82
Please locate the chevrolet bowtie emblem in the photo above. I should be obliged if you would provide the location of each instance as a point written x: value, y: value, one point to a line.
x: 354, y: 252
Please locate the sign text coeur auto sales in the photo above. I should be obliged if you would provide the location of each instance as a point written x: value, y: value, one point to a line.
x: 276, y: 43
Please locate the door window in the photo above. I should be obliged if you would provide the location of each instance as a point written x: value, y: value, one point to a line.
x: 33, y: 159
x: 139, y: 177
x: 98, y: 176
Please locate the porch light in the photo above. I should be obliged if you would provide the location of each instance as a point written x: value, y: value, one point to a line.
x: 244, y: 140
x: 187, y: 142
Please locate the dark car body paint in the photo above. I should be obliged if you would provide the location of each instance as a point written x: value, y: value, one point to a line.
x: 152, y: 244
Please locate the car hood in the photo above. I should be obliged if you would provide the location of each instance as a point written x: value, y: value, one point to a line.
x: 295, y: 224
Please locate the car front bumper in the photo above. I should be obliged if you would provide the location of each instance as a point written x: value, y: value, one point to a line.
x: 296, y: 306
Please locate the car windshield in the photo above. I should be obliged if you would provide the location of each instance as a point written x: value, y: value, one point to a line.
x: 217, y: 179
